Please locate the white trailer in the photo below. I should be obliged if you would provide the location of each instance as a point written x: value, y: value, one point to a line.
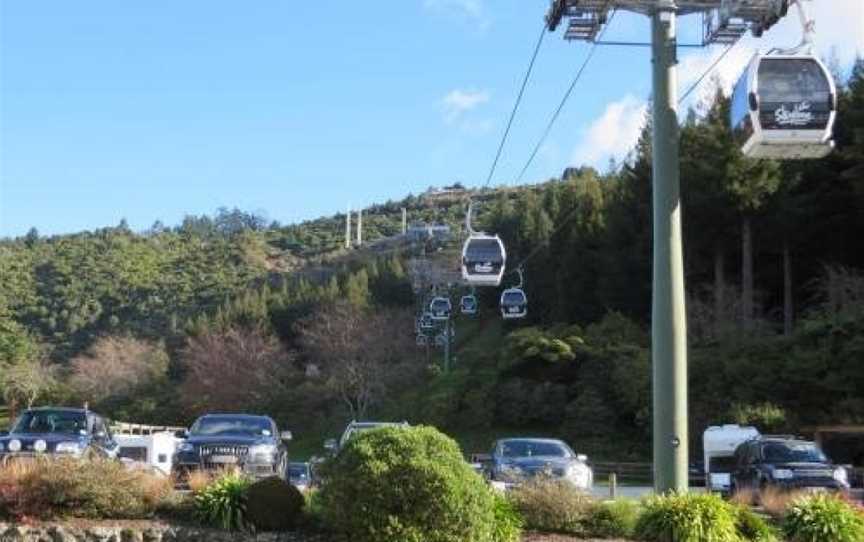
x: 154, y: 450
x: 719, y: 444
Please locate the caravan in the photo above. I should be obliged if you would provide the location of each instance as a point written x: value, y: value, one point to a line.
x: 147, y: 446
x: 719, y: 443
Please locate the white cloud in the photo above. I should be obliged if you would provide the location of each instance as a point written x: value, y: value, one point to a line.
x: 613, y: 134
x: 457, y: 102
x: 471, y: 11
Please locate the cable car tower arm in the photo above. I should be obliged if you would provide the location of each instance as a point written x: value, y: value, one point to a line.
x: 724, y: 21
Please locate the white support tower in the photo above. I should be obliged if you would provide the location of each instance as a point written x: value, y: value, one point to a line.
x: 348, y: 228
x: 404, y: 220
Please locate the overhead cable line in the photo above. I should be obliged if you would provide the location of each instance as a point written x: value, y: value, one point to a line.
x: 563, y: 101
x: 695, y: 85
x: 516, y: 105
x: 573, y: 210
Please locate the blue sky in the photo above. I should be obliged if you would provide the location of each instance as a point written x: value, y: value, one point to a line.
x: 153, y: 110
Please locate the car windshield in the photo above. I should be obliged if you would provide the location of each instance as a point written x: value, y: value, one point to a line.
x: 531, y: 448
x: 232, y: 426
x: 798, y: 452
x: 49, y: 421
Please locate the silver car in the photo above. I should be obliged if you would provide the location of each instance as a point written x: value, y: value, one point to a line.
x: 515, y: 460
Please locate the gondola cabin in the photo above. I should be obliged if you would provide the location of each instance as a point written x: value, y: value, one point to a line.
x: 468, y: 305
x: 483, y: 260
x: 514, y: 304
x: 783, y: 107
x: 440, y: 308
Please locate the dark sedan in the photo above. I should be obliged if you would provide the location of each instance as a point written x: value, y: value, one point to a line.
x: 53, y: 432
x: 515, y: 460
x: 223, y: 441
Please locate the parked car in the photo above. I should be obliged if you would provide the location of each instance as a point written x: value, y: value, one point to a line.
x: 515, y: 460
x: 785, y: 462
x: 250, y: 443
x: 355, y: 428
x: 53, y: 432
x: 300, y: 476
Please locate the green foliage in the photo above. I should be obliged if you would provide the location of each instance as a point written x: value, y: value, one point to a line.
x: 753, y: 527
x: 766, y: 416
x: 615, y: 519
x: 223, y: 502
x: 406, y: 485
x: 98, y: 489
x: 508, y: 521
x: 273, y: 504
x: 553, y: 506
x: 687, y: 518
x: 821, y: 518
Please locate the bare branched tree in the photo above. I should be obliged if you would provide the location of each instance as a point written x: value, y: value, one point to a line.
x: 25, y: 382
x: 236, y: 369
x: 117, y: 366
x: 362, y: 353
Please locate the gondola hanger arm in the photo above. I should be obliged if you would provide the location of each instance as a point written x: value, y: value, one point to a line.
x: 808, y: 32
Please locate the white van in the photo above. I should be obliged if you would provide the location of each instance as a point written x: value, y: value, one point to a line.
x: 719, y: 443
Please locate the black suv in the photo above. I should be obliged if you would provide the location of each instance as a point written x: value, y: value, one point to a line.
x: 52, y: 432
x: 355, y: 428
x: 785, y: 462
x: 250, y: 443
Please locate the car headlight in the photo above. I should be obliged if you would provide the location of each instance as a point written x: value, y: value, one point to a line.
x: 841, y: 476
x: 40, y: 446
x: 14, y: 445
x: 68, y: 447
x: 578, y: 472
x: 783, y: 474
x: 262, y: 452
x: 186, y: 447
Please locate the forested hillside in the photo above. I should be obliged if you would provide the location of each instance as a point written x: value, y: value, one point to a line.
x: 225, y: 313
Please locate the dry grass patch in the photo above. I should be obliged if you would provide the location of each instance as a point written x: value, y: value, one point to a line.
x: 98, y: 489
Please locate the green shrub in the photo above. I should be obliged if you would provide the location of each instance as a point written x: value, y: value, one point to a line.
x: 98, y: 489
x: 406, y: 485
x: 273, y: 504
x: 687, y: 517
x: 223, y: 502
x: 753, y: 527
x: 821, y: 518
x: 553, y: 506
x: 615, y: 519
x: 508, y: 522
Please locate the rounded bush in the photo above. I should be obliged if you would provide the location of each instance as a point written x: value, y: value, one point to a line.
x: 553, y: 506
x: 687, y: 517
x: 397, y: 484
x: 823, y: 517
x: 615, y: 519
x: 753, y: 527
x: 273, y: 504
